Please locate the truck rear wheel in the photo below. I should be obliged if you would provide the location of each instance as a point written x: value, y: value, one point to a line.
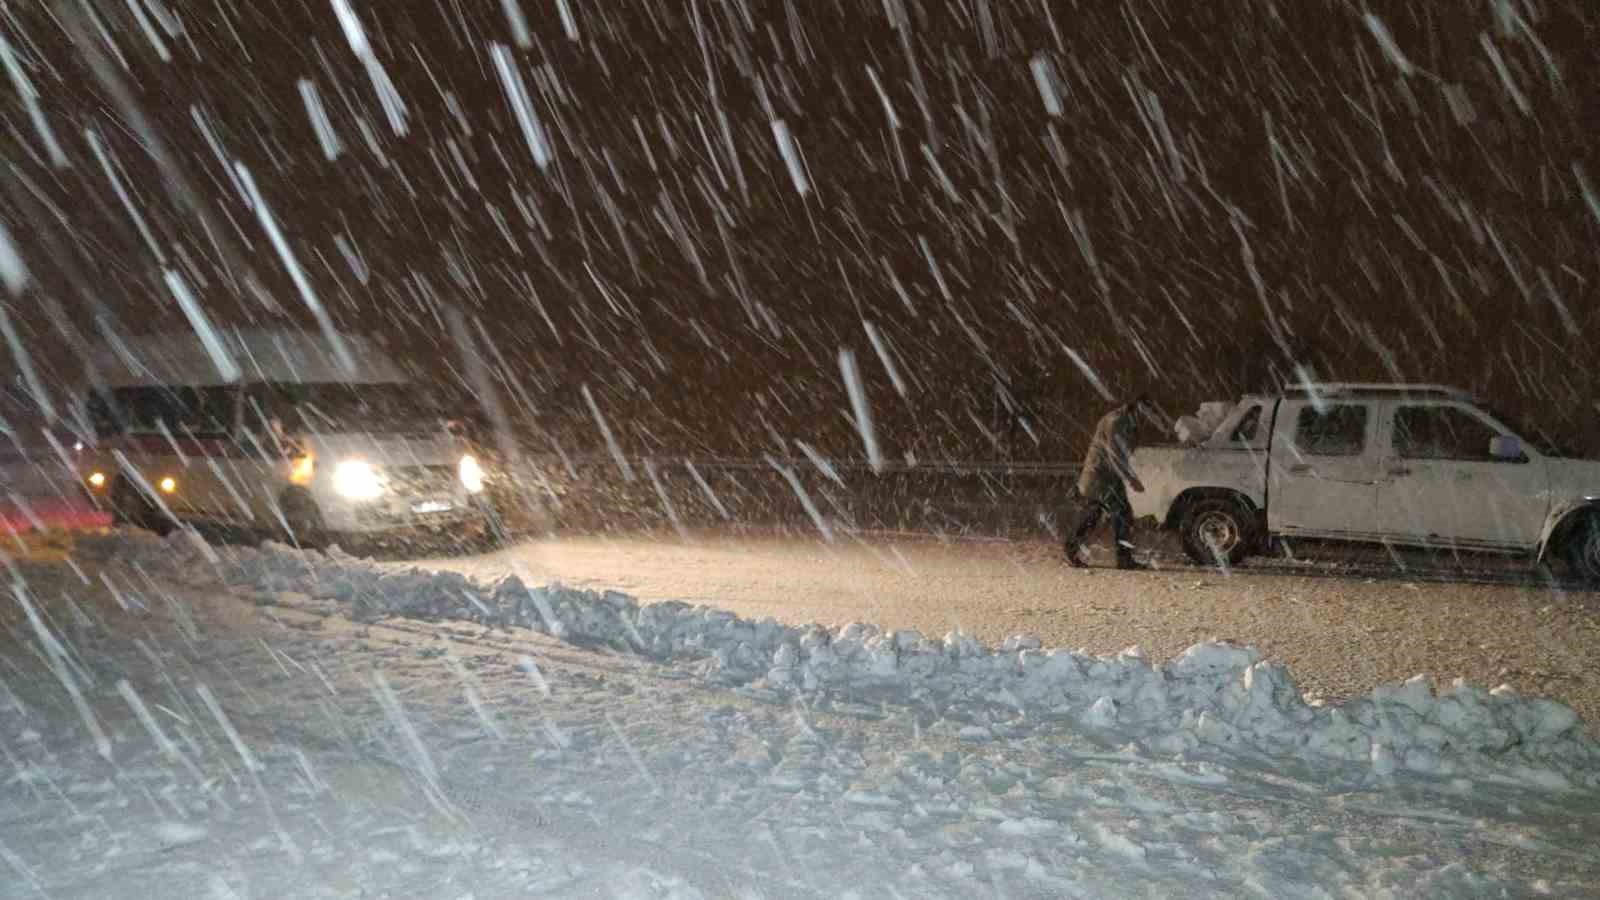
x: 1218, y: 531
x: 1583, y: 549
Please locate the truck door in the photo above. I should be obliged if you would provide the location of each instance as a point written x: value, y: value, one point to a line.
x: 1444, y: 486
x: 1324, y: 469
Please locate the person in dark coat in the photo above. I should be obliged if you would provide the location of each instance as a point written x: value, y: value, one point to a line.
x: 1103, y: 485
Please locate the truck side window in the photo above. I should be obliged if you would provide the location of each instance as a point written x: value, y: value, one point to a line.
x: 1441, y: 432
x: 1333, y: 431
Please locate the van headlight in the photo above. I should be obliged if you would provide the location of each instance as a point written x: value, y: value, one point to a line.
x: 471, y: 474
x: 356, y: 479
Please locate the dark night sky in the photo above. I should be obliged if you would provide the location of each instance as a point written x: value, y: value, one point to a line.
x: 1179, y: 194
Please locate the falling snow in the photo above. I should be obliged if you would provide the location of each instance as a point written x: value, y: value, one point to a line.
x: 629, y: 258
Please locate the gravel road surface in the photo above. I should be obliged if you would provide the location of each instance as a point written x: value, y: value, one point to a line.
x: 1340, y: 634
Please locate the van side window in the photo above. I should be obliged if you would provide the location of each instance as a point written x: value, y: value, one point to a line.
x: 1441, y: 432
x: 104, y: 417
x: 213, y: 411
x: 1332, y: 431
x: 146, y: 408
x: 1249, y: 430
x: 197, y: 412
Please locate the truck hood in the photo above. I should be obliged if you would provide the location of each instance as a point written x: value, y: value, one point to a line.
x: 1574, y: 478
x: 386, y: 450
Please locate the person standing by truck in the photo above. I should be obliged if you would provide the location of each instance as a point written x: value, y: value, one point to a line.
x: 1103, y: 485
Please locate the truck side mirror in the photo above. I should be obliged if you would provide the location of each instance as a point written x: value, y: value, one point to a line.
x: 1506, y: 447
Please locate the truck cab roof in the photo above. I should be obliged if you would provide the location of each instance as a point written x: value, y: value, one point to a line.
x: 1359, y: 389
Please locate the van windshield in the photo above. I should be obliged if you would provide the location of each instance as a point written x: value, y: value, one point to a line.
x: 392, y: 408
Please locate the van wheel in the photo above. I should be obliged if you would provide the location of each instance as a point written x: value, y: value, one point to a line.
x: 1218, y: 532
x: 1583, y: 549
x: 130, y: 507
x: 304, y: 520
x: 121, y: 510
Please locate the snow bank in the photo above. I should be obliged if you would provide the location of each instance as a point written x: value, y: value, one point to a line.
x: 1214, y: 695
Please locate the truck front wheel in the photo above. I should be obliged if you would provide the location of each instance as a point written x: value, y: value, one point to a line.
x: 1218, y: 531
x: 1583, y: 549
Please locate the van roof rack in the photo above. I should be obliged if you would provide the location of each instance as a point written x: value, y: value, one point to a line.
x: 1349, y: 388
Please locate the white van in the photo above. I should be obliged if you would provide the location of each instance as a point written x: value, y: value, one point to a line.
x: 304, y: 442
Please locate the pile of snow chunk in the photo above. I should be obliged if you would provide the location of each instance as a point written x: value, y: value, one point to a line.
x: 1214, y: 695
x: 1203, y: 423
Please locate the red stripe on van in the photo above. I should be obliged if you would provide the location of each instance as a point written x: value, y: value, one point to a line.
x: 54, y: 513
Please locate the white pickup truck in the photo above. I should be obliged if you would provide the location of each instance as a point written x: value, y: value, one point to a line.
x: 1407, y: 465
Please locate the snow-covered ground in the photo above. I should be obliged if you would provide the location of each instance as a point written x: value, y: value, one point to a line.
x: 1341, y: 624
x: 185, y: 720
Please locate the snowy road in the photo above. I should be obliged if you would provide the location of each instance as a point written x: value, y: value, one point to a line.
x: 1340, y: 635
x: 172, y: 736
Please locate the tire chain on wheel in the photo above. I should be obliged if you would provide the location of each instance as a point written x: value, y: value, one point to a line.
x: 1243, y: 520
